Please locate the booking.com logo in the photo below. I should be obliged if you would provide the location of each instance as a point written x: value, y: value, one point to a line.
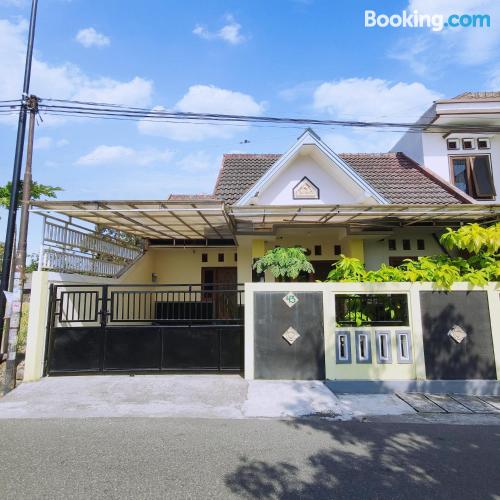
x: 436, y: 22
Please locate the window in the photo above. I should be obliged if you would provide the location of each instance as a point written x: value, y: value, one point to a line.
x: 398, y: 260
x: 453, y: 144
x: 204, y: 257
x: 220, y: 257
x: 473, y: 175
x: 235, y: 257
x: 363, y: 348
x: 317, y: 249
x: 403, y: 347
x: 420, y: 244
x: 384, y: 354
x: 343, y: 347
x: 377, y: 310
x: 391, y: 244
x: 257, y: 277
x: 337, y: 250
x: 483, y: 143
x: 468, y: 144
x: 406, y: 245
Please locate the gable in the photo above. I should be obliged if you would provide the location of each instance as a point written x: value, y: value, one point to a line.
x: 319, y: 179
x: 342, y: 183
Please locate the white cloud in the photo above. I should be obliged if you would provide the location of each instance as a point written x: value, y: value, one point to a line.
x: 89, y: 37
x: 14, y: 3
x: 428, y: 51
x: 198, y: 161
x: 43, y: 143
x: 372, y: 99
x: 230, y: 32
x: 205, y: 99
x: 66, y: 81
x: 361, y: 141
x: 104, y: 155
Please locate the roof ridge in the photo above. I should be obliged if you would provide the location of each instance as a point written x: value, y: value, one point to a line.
x: 251, y: 155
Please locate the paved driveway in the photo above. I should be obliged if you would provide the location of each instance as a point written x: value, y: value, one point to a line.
x: 209, y: 396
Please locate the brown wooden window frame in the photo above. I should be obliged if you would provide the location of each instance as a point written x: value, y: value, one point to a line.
x: 471, y: 182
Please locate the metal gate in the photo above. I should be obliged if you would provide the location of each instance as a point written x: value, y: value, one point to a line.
x: 136, y: 328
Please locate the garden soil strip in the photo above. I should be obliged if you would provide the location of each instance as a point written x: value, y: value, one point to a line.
x: 475, y: 404
x: 420, y: 403
x: 448, y: 404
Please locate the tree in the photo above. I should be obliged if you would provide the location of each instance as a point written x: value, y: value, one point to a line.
x: 37, y: 192
x: 284, y: 262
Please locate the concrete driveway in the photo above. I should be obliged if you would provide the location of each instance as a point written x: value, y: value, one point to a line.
x: 191, y: 396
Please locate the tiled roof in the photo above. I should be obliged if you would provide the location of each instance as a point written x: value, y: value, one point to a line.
x: 473, y: 97
x: 239, y: 172
x: 192, y: 197
x: 393, y: 175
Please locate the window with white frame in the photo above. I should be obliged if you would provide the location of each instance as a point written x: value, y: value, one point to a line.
x: 363, y: 347
x: 473, y: 175
x: 453, y: 144
x: 483, y: 143
x: 468, y: 144
x: 403, y: 343
x: 343, y: 347
x: 384, y: 354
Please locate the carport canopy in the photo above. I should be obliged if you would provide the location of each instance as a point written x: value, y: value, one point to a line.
x: 212, y: 219
x: 149, y: 219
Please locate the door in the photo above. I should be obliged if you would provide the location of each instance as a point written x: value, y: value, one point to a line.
x: 220, y: 285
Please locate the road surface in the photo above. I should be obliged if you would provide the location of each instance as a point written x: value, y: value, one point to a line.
x: 159, y: 458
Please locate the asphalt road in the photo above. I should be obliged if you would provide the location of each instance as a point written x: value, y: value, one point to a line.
x: 140, y: 458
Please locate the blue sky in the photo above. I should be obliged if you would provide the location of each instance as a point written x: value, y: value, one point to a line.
x: 283, y: 57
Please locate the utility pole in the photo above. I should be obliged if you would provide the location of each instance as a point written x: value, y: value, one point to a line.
x: 16, y: 172
x: 9, y: 381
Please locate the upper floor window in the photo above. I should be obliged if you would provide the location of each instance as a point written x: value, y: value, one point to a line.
x: 483, y: 143
x: 453, y: 143
x: 468, y: 144
x: 473, y: 175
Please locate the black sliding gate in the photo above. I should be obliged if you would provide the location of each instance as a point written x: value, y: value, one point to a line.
x: 135, y: 328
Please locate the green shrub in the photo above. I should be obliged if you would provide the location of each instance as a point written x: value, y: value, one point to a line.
x: 284, y: 263
x: 481, y: 266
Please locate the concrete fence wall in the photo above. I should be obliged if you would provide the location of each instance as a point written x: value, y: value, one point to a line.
x: 393, y: 367
x: 315, y: 312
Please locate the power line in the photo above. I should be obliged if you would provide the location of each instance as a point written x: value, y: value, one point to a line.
x: 89, y: 109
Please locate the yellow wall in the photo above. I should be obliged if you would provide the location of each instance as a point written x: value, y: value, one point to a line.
x: 177, y: 265
x: 183, y: 265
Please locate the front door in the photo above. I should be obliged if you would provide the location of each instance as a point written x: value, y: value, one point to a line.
x: 220, y: 283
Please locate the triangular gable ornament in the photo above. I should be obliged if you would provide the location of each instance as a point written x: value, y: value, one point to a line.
x: 306, y: 190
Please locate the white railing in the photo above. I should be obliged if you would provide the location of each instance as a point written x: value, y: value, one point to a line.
x: 70, y: 248
x: 71, y: 238
x: 66, y: 262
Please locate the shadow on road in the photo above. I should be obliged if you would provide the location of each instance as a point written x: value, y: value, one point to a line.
x: 378, y: 461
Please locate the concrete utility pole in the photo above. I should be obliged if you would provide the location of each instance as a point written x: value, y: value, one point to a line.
x: 9, y: 381
x: 16, y: 172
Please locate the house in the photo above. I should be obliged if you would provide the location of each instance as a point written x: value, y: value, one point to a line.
x: 178, y: 302
x: 457, y: 143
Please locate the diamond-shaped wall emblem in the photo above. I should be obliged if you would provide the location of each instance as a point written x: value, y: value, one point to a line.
x: 291, y: 335
x: 290, y: 299
x: 457, y: 334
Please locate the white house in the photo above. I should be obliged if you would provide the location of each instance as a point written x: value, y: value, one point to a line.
x: 458, y: 144
x: 178, y: 302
